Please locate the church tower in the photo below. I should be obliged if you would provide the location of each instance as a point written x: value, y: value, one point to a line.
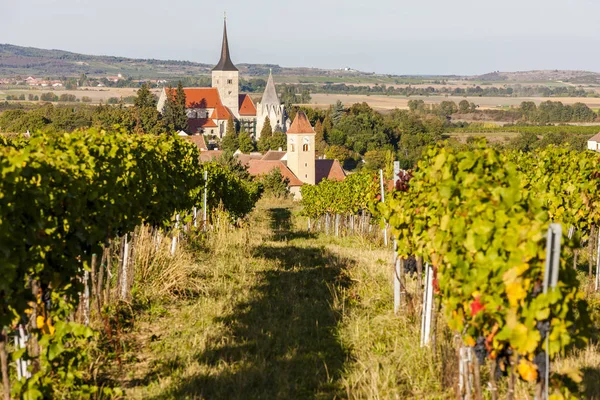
x: 225, y: 77
x: 271, y: 107
x: 301, y: 149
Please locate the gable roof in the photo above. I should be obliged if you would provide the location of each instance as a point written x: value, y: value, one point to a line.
x: 330, y: 169
x: 270, y: 94
x: 595, y: 138
x: 199, y: 141
x: 199, y: 97
x: 272, y: 155
x: 246, y: 158
x: 301, y: 124
x: 209, y: 155
x: 220, y: 112
x: 247, y: 107
x: 262, y: 167
x: 225, y: 63
x: 195, y: 124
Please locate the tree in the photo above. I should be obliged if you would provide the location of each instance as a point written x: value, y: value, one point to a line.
x: 180, y: 110
x: 230, y: 142
x: 339, y: 153
x: 245, y: 142
x: 145, y: 98
x: 337, y: 112
x: 448, y: 108
x: 266, y: 133
x: 375, y: 160
x: 278, y: 141
x: 275, y: 184
x: 174, y: 115
x: 320, y: 144
x: 464, y: 107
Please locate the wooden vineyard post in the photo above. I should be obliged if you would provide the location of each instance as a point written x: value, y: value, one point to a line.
x: 397, y: 282
x: 175, y: 233
x: 124, y: 269
x: 426, y: 316
x: 597, y: 280
x: 4, y: 364
x: 385, y: 238
x: 86, y: 298
x: 205, y: 200
x: 309, y: 224
x: 550, y: 280
x: 591, y: 251
x: 337, y: 224
x: 195, y: 211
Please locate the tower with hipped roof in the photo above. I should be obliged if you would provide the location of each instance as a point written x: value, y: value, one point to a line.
x: 301, y: 149
x: 226, y: 77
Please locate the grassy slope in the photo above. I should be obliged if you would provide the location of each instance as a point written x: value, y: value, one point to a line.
x: 282, y: 313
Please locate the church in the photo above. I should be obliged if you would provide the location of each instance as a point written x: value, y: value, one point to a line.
x: 209, y: 109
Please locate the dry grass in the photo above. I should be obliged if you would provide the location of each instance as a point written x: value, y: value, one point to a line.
x: 281, y: 313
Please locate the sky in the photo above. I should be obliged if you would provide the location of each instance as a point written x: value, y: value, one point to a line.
x: 462, y: 37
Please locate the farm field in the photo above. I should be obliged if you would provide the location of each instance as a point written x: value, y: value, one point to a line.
x: 392, y: 102
x: 95, y: 93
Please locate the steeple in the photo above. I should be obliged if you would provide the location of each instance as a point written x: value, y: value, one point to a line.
x: 270, y: 94
x: 225, y: 63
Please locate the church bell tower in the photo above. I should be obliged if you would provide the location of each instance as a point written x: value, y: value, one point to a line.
x: 225, y: 77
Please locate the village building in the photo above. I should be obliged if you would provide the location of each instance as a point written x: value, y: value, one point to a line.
x: 298, y: 163
x: 209, y: 109
x: 594, y: 142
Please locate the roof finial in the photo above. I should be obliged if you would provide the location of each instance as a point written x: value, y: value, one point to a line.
x: 225, y: 15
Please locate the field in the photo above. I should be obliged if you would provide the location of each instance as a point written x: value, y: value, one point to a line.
x: 392, y: 102
x: 97, y: 94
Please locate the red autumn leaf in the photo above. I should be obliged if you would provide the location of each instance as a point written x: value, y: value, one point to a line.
x: 476, y: 307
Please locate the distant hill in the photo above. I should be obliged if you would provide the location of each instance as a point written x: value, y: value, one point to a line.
x: 18, y: 60
x: 580, y: 77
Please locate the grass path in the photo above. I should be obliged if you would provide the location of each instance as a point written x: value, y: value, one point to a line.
x: 282, y: 314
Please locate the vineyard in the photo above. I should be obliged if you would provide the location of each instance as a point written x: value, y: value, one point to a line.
x: 134, y: 271
x: 480, y: 218
x: 66, y: 199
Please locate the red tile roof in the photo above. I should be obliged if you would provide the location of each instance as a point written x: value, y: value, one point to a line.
x: 595, y: 138
x: 220, y: 112
x: 330, y: 169
x: 272, y: 155
x: 301, y: 124
x: 261, y: 167
x: 199, y: 141
x: 247, y: 107
x: 194, y: 124
x: 246, y: 158
x: 200, y: 97
x: 210, y: 155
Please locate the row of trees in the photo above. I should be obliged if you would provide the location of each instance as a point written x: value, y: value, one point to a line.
x: 473, y: 91
x: 143, y: 117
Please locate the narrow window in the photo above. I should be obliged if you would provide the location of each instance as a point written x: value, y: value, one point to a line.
x: 306, y: 164
x: 304, y: 147
x: 291, y: 147
x: 230, y: 81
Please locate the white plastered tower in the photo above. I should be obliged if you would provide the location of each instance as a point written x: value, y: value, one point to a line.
x: 301, y: 149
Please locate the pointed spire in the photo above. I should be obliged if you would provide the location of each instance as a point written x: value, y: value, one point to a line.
x: 225, y: 63
x: 270, y: 94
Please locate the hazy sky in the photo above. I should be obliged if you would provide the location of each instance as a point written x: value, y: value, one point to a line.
x: 385, y: 36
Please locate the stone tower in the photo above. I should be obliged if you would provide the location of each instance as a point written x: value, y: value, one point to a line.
x: 225, y: 77
x: 301, y: 149
x: 271, y: 107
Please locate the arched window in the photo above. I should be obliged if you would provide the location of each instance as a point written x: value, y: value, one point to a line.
x: 305, y: 147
